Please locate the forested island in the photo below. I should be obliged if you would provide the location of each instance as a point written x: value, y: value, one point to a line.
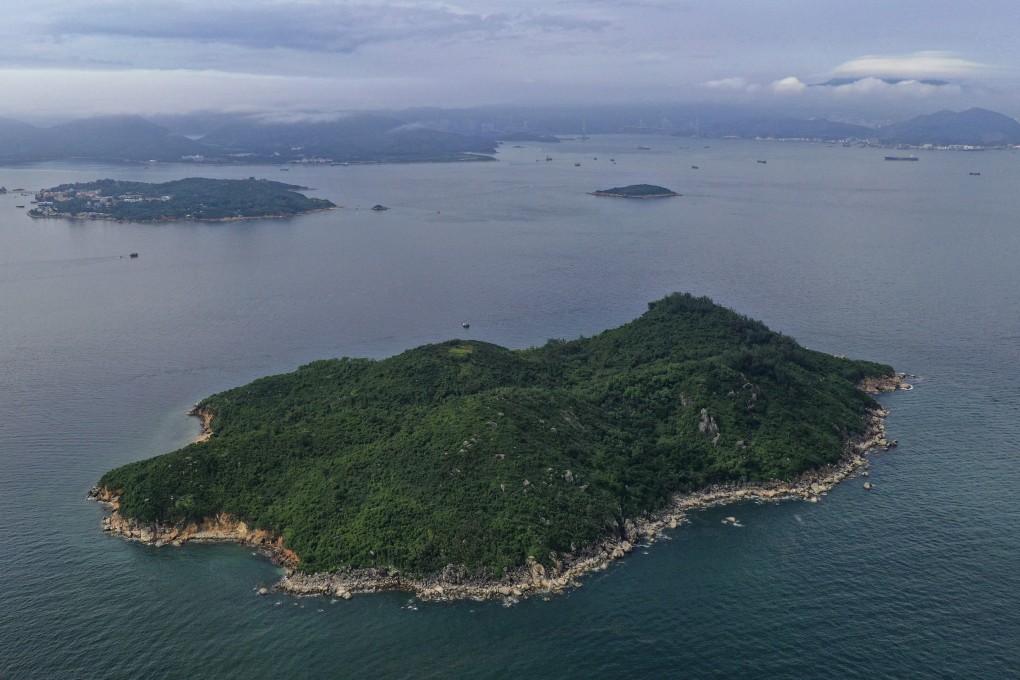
x: 637, y: 191
x: 463, y: 469
x: 195, y: 198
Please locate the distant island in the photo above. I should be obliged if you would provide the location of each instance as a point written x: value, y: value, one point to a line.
x: 194, y: 198
x: 463, y: 469
x: 637, y: 191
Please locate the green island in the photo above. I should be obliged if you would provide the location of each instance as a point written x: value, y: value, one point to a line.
x: 195, y: 198
x: 464, y: 469
x: 637, y: 191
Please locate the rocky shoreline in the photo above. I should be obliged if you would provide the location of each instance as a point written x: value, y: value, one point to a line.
x: 206, y: 417
x: 455, y: 582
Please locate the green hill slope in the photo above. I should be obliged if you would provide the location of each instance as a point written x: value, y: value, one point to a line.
x: 468, y: 453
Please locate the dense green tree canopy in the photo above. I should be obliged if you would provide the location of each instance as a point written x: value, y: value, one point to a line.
x: 466, y: 452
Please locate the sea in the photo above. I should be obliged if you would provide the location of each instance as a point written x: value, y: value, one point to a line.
x: 911, y: 264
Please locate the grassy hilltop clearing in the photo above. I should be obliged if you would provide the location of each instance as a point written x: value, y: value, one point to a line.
x: 467, y: 453
x: 195, y: 198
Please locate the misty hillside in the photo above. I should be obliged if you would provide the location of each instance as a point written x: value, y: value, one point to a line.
x: 349, y: 139
x: 113, y: 138
x: 974, y: 127
x: 977, y: 127
x: 132, y: 138
x: 378, y: 138
x: 787, y: 128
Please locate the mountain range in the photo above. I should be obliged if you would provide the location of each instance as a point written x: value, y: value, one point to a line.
x: 134, y: 139
x: 378, y: 138
x: 973, y: 127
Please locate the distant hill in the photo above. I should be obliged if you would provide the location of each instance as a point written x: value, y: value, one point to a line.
x: 349, y: 139
x: 976, y: 127
x: 17, y: 139
x: 131, y: 138
x: 787, y: 128
x: 114, y: 138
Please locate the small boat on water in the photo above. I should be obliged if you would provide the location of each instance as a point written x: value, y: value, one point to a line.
x: 577, y: 165
x: 974, y: 174
x: 134, y: 255
x: 19, y: 206
x: 901, y: 158
x: 694, y: 167
x: 763, y: 162
x: 644, y: 148
x: 465, y: 325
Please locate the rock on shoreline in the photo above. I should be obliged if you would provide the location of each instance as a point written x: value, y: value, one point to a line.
x: 455, y: 582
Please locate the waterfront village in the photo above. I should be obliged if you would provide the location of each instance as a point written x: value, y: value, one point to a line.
x: 95, y: 204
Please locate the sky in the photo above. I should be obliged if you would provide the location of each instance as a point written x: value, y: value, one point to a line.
x: 77, y: 58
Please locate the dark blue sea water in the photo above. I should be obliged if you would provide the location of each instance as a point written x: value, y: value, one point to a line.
x: 914, y: 264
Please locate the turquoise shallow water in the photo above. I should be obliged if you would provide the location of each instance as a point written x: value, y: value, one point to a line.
x: 911, y: 264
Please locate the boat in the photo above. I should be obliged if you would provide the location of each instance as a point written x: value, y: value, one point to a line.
x: 901, y: 158
x: 19, y: 206
x: 548, y: 158
x: 577, y: 165
x: 465, y: 325
x: 974, y: 174
x: 134, y: 255
x: 763, y: 162
x: 644, y: 148
x: 694, y: 167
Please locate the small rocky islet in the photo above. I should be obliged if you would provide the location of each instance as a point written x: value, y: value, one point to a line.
x: 636, y: 191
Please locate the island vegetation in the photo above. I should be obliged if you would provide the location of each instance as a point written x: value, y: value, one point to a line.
x: 194, y: 198
x: 469, y: 457
x: 637, y: 191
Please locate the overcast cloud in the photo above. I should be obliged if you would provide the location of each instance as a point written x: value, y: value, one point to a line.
x: 181, y: 55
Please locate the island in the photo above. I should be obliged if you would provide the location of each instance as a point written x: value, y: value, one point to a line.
x: 466, y: 470
x: 637, y: 191
x: 195, y: 198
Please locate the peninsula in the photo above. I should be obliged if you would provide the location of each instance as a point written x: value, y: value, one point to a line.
x: 463, y: 469
x: 637, y: 191
x: 195, y: 198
